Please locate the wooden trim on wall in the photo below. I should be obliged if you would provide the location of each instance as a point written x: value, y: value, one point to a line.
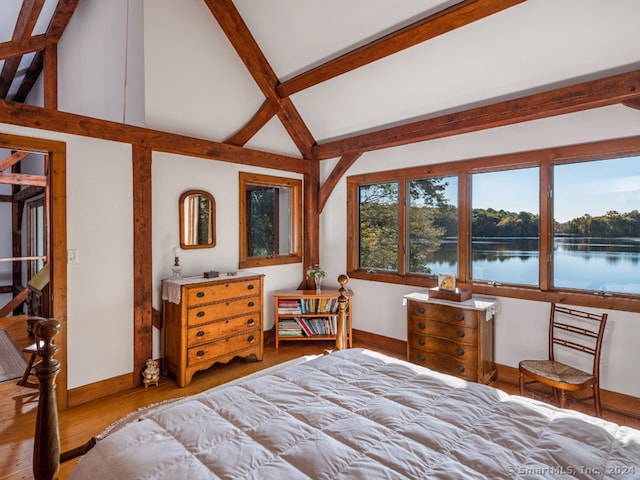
x: 93, y: 391
x: 142, y: 263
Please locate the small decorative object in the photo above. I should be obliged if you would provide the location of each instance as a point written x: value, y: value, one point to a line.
x: 317, y: 273
x: 447, y: 281
x: 151, y: 374
x: 211, y: 274
x: 176, y: 269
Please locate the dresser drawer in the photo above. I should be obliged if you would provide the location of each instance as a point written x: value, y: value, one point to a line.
x: 444, y: 313
x: 214, y: 292
x: 212, y: 331
x: 445, y: 364
x: 458, y: 333
x: 221, y: 347
x: 452, y: 348
x: 220, y: 310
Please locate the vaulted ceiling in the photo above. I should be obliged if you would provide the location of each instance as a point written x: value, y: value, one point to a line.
x: 434, y: 75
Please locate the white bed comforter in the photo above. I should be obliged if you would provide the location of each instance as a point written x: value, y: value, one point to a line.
x: 359, y: 414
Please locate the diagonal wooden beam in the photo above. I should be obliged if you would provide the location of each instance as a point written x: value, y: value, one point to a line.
x: 12, y: 159
x: 33, y: 72
x: 60, y: 19
x: 449, y: 19
x: 27, y: 19
x: 334, y: 177
x: 268, y: 109
x: 249, y: 52
x: 583, y: 96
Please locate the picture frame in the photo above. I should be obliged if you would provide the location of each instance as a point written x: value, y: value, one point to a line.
x: 447, y: 281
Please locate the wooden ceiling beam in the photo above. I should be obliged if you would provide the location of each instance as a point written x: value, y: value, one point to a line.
x: 449, y: 19
x: 249, y: 52
x: 63, y: 122
x: 12, y: 159
x: 23, y: 179
x: 12, y: 49
x: 268, y: 109
x: 583, y: 96
x: 632, y: 103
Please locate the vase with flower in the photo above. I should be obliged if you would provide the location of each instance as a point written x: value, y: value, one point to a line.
x: 317, y: 273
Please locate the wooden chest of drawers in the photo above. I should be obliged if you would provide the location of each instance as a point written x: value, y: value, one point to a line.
x: 451, y: 337
x: 214, y: 320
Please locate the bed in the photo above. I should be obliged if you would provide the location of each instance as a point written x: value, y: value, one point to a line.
x: 356, y: 414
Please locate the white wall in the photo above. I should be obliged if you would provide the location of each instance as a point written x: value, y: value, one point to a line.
x: 521, y: 326
x: 100, y: 227
x: 174, y: 174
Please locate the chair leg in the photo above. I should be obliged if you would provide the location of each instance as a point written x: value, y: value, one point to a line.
x: 563, y: 398
x: 27, y: 372
x: 596, y: 400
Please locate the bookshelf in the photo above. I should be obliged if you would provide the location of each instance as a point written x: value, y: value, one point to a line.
x: 307, y: 315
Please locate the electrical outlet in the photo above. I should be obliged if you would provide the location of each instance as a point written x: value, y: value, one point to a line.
x: 73, y: 256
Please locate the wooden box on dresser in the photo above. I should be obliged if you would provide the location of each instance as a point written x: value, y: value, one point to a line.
x: 210, y: 320
x: 452, y: 337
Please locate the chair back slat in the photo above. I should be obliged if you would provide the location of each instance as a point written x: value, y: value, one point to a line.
x: 576, y: 330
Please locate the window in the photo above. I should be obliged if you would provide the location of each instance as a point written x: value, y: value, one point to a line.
x: 597, y: 226
x: 270, y: 220
x: 561, y: 224
x: 433, y: 225
x: 379, y: 226
x: 505, y: 226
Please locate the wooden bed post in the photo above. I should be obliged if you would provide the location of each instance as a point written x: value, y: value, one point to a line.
x: 343, y: 301
x: 46, y: 445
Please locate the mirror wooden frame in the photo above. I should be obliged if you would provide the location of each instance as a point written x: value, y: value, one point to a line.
x: 184, y: 229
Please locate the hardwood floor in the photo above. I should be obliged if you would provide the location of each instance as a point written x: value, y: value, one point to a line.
x: 78, y: 424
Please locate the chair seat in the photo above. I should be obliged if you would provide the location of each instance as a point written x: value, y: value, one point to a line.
x: 557, y: 371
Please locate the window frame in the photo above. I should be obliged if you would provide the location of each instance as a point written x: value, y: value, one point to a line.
x: 545, y: 160
x: 295, y: 186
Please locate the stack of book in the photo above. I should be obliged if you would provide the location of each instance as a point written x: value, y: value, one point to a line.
x: 289, y: 328
x: 289, y: 306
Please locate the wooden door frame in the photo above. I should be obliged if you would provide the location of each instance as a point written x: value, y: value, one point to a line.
x: 56, y: 226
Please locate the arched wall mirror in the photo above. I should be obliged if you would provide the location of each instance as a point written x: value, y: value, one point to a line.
x: 197, y: 219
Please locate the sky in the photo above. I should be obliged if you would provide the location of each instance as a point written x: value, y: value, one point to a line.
x: 579, y: 188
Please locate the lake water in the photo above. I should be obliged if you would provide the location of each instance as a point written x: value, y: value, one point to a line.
x: 610, y: 264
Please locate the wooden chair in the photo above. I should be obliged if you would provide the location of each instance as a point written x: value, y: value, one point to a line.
x: 31, y: 350
x: 573, y: 330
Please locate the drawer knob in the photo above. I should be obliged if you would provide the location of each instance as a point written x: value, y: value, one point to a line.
x: 251, y: 338
x: 250, y: 286
x: 459, y: 316
x: 251, y: 321
x: 421, y: 326
x: 200, y: 353
x: 460, y: 368
x: 250, y: 304
x: 421, y: 310
x: 200, y: 314
x: 200, y: 294
x: 421, y: 341
x: 459, y: 334
x: 200, y: 333
x: 421, y: 358
x: 459, y: 351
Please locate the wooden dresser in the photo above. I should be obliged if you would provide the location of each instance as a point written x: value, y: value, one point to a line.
x: 452, y: 337
x: 210, y: 320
